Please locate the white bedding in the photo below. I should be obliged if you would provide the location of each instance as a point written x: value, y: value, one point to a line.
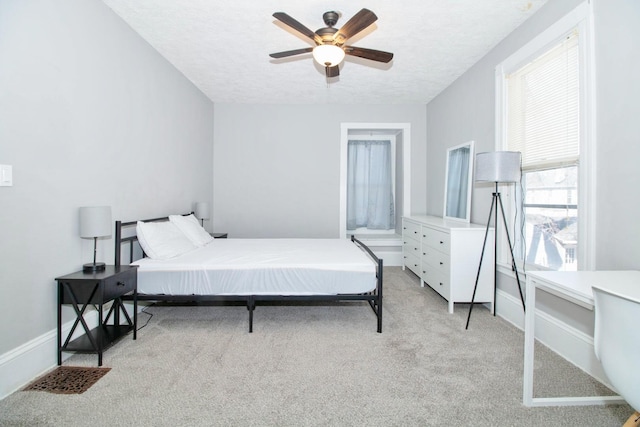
x: 261, y: 267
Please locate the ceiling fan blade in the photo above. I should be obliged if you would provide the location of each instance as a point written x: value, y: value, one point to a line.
x: 332, y: 71
x: 357, y: 23
x: 290, y: 52
x: 372, y: 54
x: 289, y: 21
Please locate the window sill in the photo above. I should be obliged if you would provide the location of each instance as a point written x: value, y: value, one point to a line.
x: 507, y: 270
x: 386, y: 240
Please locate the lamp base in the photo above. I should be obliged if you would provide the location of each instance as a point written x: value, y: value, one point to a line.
x: 93, y: 267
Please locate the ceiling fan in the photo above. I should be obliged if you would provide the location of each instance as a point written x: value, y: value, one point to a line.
x: 330, y: 48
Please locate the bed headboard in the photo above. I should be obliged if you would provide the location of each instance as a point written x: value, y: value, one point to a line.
x: 131, y: 239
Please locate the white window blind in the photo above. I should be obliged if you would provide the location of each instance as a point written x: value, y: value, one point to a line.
x: 543, y: 117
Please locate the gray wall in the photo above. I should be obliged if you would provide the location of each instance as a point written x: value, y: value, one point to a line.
x: 90, y: 115
x: 465, y: 111
x: 617, y: 91
x: 277, y: 167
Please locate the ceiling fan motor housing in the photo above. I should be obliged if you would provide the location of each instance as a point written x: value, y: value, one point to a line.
x: 326, y: 34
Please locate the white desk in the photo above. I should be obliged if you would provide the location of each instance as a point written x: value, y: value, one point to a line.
x: 575, y: 287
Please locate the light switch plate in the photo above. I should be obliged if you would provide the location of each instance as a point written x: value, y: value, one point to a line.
x: 6, y: 175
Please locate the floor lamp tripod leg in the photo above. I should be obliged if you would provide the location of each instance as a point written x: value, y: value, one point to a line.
x: 475, y: 288
x: 513, y: 260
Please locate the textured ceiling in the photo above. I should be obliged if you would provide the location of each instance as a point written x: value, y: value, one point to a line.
x: 223, y: 46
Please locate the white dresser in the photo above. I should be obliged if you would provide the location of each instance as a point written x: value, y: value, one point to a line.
x: 445, y: 255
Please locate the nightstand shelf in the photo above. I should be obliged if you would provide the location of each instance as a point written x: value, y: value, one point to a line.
x: 110, y: 335
x: 82, y: 290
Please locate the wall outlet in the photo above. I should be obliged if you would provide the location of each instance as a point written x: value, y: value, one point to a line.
x: 6, y: 175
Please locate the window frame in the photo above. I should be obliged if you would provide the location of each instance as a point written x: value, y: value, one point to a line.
x: 579, y: 19
x: 402, y: 131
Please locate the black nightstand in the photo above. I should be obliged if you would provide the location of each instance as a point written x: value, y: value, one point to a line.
x: 97, y: 288
x: 219, y: 235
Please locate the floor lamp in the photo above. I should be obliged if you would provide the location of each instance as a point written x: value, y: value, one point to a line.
x: 497, y: 167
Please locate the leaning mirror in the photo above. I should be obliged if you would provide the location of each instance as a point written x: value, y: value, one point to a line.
x: 458, y: 182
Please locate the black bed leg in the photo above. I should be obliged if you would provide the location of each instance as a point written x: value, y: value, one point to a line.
x: 250, y: 306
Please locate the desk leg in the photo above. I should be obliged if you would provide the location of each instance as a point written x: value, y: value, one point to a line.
x: 527, y: 380
x: 529, y: 343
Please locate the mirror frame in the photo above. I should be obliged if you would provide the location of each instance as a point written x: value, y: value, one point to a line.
x: 469, y: 181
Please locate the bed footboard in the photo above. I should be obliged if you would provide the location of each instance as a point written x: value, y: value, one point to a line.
x: 376, y: 301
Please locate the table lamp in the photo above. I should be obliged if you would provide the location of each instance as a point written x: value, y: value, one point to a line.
x: 95, y: 221
x: 202, y: 211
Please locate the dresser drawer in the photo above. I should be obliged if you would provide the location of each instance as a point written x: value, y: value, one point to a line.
x: 436, y: 281
x: 438, y: 261
x: 436, y: 239
x: 411, y: 229
x: 412, y: 262
x: 119, y: 284
x: 427, y: 254
x: 411, y: 246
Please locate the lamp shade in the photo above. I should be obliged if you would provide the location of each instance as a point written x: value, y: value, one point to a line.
x: 498, y: 166
x: 202, y: 210
x: 328, y: 55
x: 95, y: 221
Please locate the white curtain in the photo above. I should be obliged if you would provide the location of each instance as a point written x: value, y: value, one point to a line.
x: 370, y: 201
x: 458, y: 183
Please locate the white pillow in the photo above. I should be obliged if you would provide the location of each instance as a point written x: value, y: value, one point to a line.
x: 191, y: 228
x: 162, y: 240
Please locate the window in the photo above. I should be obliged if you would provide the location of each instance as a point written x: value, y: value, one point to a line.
x: 543, y: 103
x: 370, y: 185
x: 550, y: 218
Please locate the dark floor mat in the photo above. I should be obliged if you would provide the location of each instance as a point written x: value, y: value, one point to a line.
x: 68, y: 380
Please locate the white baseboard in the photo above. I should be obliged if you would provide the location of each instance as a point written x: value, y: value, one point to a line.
x: 23, y: 364
x: 389, y: 259
x: 388, y: 249
x: 570, y: 343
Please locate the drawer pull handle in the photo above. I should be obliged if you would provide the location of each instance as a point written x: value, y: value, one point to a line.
x: 441, y: 262
x: 121, y: 284
x: 440, y: 283
x: 441, y: 242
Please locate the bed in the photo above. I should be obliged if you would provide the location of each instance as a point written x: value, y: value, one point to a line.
x: 249, y: 271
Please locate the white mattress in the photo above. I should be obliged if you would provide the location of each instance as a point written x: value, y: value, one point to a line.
x: 262, y: 267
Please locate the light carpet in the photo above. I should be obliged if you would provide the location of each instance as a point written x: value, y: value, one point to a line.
x: 319, y: 365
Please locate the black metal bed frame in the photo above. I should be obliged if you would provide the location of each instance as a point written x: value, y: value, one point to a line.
x: 374, y: 298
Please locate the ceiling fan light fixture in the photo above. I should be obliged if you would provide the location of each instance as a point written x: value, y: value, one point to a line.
x: 328, y: 55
